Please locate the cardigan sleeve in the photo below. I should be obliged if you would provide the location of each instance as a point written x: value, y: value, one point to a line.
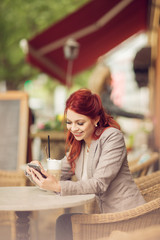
x: 112, y: 152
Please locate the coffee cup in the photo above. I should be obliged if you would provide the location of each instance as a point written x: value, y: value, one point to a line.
x: 54, y: 167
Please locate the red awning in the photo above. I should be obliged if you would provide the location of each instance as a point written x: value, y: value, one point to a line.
x: 98, y: 27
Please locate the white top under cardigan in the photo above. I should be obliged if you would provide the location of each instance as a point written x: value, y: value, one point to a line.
x: 85, y: 161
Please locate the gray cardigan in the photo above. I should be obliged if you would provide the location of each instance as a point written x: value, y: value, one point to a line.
x: 109, y: 177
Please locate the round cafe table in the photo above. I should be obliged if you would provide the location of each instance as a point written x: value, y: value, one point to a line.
x: 24, y: 200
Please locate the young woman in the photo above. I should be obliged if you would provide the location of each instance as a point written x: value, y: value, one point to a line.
x: 96, y: 154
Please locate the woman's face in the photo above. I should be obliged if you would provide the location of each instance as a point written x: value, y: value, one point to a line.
x: 81, y: 126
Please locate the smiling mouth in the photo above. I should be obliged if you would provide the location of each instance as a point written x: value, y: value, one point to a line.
x: 77, y: 134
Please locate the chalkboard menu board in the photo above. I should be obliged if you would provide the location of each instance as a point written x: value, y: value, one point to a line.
x: 13, y: 129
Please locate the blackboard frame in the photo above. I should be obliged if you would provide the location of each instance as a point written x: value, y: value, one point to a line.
x: 23, y: 120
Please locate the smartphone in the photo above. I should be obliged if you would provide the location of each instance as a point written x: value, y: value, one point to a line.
x: 37, y: 168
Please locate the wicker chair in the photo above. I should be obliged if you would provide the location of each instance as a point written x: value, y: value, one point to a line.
x: 150, y: 233
x: 11, y: 178
x: 149, y: 183
x: 141, y: 169
x: 147, y: 178
x: 96, y: 226
x: 151, y: 193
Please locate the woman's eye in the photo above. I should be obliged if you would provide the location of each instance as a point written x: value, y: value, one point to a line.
x: 80, y: 124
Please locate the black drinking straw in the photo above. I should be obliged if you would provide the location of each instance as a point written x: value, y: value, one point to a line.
x: 48, y: 147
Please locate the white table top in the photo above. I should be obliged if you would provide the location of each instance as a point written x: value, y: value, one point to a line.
x: 33, y: 198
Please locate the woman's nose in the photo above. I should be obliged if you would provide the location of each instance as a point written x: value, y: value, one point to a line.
x: 74, y: 127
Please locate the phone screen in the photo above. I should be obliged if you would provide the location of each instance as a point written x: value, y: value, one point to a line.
x: 37, y: 168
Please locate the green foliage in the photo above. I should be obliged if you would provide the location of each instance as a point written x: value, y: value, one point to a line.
x: 56, y: 124
x: 23, y: 19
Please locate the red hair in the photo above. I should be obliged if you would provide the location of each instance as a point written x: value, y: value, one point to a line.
x: 86, y: 103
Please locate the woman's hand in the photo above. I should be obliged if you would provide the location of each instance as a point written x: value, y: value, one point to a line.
x: 49, y: 183
x: 28, y: 168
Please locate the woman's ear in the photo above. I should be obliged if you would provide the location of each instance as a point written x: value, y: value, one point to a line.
x: 96, y: 121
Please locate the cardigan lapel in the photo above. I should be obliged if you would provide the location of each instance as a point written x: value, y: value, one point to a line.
x: 92, y: 151
x: 79, y: 163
